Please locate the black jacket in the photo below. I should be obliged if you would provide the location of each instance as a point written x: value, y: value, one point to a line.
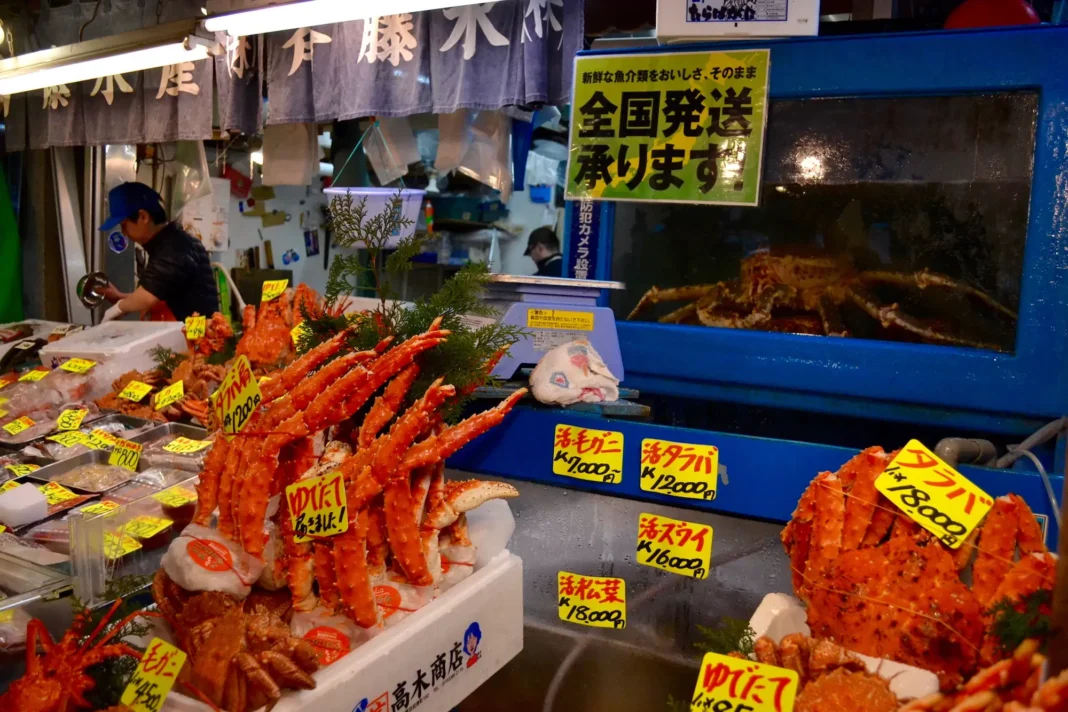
x: 179, y: 273
x: 551, y: 266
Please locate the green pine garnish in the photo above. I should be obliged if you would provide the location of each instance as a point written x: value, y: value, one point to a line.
x: 733, y: 635
x: 1015, y: 622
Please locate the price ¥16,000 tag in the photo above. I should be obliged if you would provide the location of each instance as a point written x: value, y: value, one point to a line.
x: 674, y: 546
x: 318, y: 507
x: 933, y: 494
x: 78, y: 365
x: 69, y: 438
x: 17, y: 426
x: 135, y: 391
x: 593, y: 601
x: 736, y: 684
x: 272, y: 289
x: 237, y: 397
x: 679, y: 469
x: 126, y: 454
x: 56, y: 493
x: 587, y: 454
x: 175, y: 497
x: 171, y: 394
x: 182, y: 446
x: 71, y: 419
x: 154, y: 677
x: 21, y: 470
x: 195, y: 327
x: 34, y: 374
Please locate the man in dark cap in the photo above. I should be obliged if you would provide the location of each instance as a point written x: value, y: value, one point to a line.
x: 543, y: 246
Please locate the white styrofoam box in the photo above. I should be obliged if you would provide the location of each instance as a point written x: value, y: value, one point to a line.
x: 485, y: 610
x: 378, y: 201
x: 682, y: 19
x: 41, y: 329
x: 125, y: 342
x: 779, y: 615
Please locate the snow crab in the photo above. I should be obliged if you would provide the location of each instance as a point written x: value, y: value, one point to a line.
x: 217, y: 330
x: 266, y: 339
x: 789, y: 292
x: 877, y: 583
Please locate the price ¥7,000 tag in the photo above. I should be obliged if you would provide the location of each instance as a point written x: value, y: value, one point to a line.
x: 675, y: 546
x: 933, y: 494
x: 126, y: 454
x: 593, y: 601
x: 237, y: 397
x: 587, y: 454
x: 135, y: 391
x: 183, y: 446
x: 195, y: 327
x: 71, y: 419
x: 679, y: 469
x: 318, y: 507
x: 154, y: 677
x: 171, y: 394
x: 34, y: 375
x: 736, y: 684
x: 78, y: 365
x: 272, y: 289
x: 17, y: 426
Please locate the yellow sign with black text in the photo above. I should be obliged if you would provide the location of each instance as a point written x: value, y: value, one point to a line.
x: 588, y: 454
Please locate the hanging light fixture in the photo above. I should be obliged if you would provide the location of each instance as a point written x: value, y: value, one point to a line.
x: 309, y: 13
x: 156, y: 46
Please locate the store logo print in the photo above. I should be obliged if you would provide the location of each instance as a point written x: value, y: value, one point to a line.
x: 472, y: 639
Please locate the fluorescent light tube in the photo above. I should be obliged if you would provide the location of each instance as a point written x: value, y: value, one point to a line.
x: 317, y: 12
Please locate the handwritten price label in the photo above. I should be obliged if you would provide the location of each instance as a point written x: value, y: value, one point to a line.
x: 17, y: 426
x: 117, y: 546
x: 135, y: 391
x: 101, y: 440
x: 103, y: 507
x: 154, y: 677
x: 126, y: 454
x: 78, y: 365
x: 146, y: 527
x: 21, y: 470
x: 10, y: 485
x: 318, y: 507
x: 69, y: 438
x: 176, y: 497
x: 272, y: 289
x: 195, y: 327
x: 237, y: 397
x: 679, y: 469
x: 71, y: 419
x: 587, y: 454
x: 674, y: 546
x: 184, y: 446
x: 933, y: 494
x: 56, y: 493
x: 34, y: 375
x: 735, y: 684
x: 596, y: 602
x: 171, y: 394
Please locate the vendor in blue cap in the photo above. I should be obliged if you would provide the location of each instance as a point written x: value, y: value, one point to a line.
x: 179, y: 269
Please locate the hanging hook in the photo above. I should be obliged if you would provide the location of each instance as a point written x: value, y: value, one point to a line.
x: 96, y: 9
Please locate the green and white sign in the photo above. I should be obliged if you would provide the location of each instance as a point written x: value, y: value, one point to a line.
x: 683, y: 128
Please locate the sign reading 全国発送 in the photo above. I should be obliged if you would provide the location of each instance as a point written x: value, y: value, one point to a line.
x: 685, y: 127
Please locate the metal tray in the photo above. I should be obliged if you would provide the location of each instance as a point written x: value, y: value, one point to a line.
x: 127, y: 420
x: 49, y: 473
x: 25, y: 581
x: 194, y: 432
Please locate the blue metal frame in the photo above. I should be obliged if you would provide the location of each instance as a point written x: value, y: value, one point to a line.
x: 799, y: 371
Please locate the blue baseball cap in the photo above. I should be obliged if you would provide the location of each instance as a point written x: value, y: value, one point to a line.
x: 125, y: 200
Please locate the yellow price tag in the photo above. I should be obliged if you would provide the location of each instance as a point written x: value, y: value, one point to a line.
x: 175, y: 497
x: 318, y: 507
x: 171, y: 394
x: 78, y: 365
x: 56, y: 493
x: 272, y: 289
x: 237, y: 397
x: 195, y: 327
x: 592, y: 600
x: 102, y: 507
x: 116, y: 547
x: 101, y: 439
x: 587, y: 454
x: 69, y: 438
x: 154, y: 677
x: 135, y: 391
x: 741, y: 684
x: 21, y: 470
x: 34, y: 375
x: 10, y: 485
x: 933, y: 494
x: 559, y: 319
x: 18, y: 425
x: 184, y: 446
x: 126, y: 454
x: 679, y: 469
x: 674, y: 546
x: 71, y: 419
x: 146, y: 527
x: 296, y: 332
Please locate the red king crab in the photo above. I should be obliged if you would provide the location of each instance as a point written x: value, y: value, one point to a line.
x: 811, y: 289
x: 875, y: 582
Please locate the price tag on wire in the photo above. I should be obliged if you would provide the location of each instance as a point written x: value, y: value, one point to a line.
x: 195, y: 327
x: 318, y: 507
x: 135, y: 391
x: 674, y: 546
x: 18, y: 425
x: 237, y: 397
x: 726, y: 683
x: 183, y: 446
x: 78, y: 365
x: 175, y: 497
x: 588, y: 454
x: 71, y: 419
x: 154, y: 677
x: 126, y: 454
x: 933, y: 494
x: 171, y: 394
x: 679, y: 469
x: 592, y: 600
x: 272, y: 289
x: 34, y: 374
x: 69, y: 438
x: 56, y: 493
x: 21, y: 470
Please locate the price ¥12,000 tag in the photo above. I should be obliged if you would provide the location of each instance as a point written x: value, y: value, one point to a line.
x: 318, y: 507
x: 272, y: 289
x: 593, y: 601
x: 933, y: 494
x: 195, y: 327
x: 21, y: 470
x: 71, y: 419
x: 675, y: 546
x: 587, y: 454
x: 56, y: 493
x: 171, y: 394
x: 34, y: 375
x: 237, y: 397
x: 78, y: 365
x: 69, y: 438
x: 679, y: 469
x: 154, y: 677
x: 176, y: 497
x: 126, y: 454
x: 735, y: 684
x: 17, y: 426
x: 182, y: 446
x: 135, y: 391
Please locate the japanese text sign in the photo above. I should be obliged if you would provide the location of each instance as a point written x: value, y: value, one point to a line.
x: 933, y: 494
x: 176, y: 497
x: 237, y: 397
x: 78, y: 365
x: 272, y: 289
x: 117, y: 546
x: 146, y: 527
x: 318, y: 507
x: 679, y: 469
x: 583, y: 240
x: 135, y: 391
x: 593, y: 601
x: 103, y: 507
x: 587, y: 454
x: 69, y: 438
x: 71, y: 419
x: 101, y: 439
x: 19, y: 424
x: 181, y: 445
x: 126, y: 454
x: 154, y: 677
x: 681, y: 127
x: 559, y: 319
x: 171, y: 394
x: 34, y: 375
x: 56, y: 493
x: 195, y: 327
x: 738, y: 685
x: 674, y: 546
x: 20, y: 470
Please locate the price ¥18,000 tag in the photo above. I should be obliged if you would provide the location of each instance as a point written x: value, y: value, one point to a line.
x: 71, y: 419
x: 587, y: 454
x: 674, y: 546
x: 272, y: 289
x: 237, y: 397
x: 116, y: 546
x: 679, y: 469
x: 135, y: 391
x: 195, y: 327
x: 126, y: 454
x: 21, y: 470
x: 18, y: 425
x: 318, y: 507
x: 175, y: 497
x: 933, y: 494
x: 69, y: 438
x: 34, y: 374
x: 154, y: 677
x: 171, y: 394
x: 726, y: 683
x: 78, y: 365
x: 593, y: 601
x: 182, y: 446
x: 56, y: 493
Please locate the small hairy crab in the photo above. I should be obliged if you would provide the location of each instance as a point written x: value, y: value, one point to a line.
x: 804, y: 294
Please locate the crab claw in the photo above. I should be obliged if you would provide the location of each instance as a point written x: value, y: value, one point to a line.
x: 462, y: 497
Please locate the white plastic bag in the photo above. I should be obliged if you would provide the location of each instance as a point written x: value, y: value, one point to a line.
x: 573, y: 373
x: 202, y: 560
x: 390, y: 147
